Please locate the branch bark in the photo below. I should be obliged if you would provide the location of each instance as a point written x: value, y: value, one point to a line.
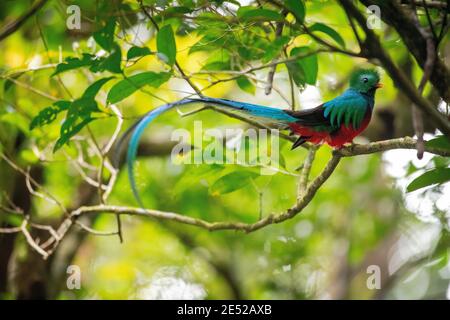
x: 16, y: 24
x: 380, y: 146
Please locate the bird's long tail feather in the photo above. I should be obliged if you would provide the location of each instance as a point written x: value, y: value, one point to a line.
x: 263, y: 114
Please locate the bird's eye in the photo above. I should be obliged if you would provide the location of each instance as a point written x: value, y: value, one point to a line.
x: 365, y: 80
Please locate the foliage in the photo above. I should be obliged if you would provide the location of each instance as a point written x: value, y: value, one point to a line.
x: 67, y: 95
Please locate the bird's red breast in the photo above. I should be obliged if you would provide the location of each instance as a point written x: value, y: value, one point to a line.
x: 336, y: 139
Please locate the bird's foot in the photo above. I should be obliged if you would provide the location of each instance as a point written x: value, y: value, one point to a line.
x: 348, y: 146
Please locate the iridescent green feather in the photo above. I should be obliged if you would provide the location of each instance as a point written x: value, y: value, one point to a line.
x: 346, y: 109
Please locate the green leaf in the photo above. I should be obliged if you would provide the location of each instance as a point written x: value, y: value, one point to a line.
x: 9, y: 83
x: 70, y: 130
x: 297, y: 7
x: 28, y: 156
x: 95, y: 87
x: 232, y: 182
x: 83, y: 107
x: 308, y: 64
x: 218, y: 60
x: 432, y: 177
x: 249, y: 13
x: 441, y: 142
x: 176, y: 10
x: 297, y: 73
x: 192, y: 178
x: 329, y: 31
x: 275, y: 48
x: 14, y: 220
x: 441, y: 162
x: 110, y: 63
x: 105, y: 36
x: 246, y: 85
x: 78, y: 116
x: 165, y: 42
x: 49, y: 114
x: 128, y: 86
x: 135, y: 52
x: 62, y: 104
x: 71, y: 63
x: 217, y: 65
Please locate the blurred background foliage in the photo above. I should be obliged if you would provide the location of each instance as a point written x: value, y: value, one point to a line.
x: 360, y: 217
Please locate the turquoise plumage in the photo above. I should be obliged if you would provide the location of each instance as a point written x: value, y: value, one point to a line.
x: 348, y: 108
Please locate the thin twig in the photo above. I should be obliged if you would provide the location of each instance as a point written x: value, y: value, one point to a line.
x: 271, y: 74
x: 31, y: 241
x: 10, y: 230
x: 304, y: 176
x: 427, y: 70
x: 264, y: 66
x: 355, y: 32
x: 430, y: 23
x: 30, y: 181
x: 32, y: 89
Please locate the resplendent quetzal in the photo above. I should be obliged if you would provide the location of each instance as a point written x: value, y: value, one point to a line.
x: 335, y: 122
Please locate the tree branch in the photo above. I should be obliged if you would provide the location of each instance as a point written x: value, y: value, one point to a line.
x: 214, y: 226
x: 306, y: 194
x: 16, y: 24
x: 380, y: 146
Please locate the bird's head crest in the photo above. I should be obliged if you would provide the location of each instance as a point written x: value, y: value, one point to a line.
x: 365, y: 80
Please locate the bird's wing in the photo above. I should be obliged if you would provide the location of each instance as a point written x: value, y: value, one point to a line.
x: 311, y: 117
x: 348, y: 108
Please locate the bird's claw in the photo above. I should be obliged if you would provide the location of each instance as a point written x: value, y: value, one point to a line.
x: 349, y: 146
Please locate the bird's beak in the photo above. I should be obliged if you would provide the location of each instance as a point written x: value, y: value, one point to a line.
x: 379, y: 85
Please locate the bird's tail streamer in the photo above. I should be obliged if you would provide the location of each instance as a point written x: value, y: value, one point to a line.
x: 262, y: 113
